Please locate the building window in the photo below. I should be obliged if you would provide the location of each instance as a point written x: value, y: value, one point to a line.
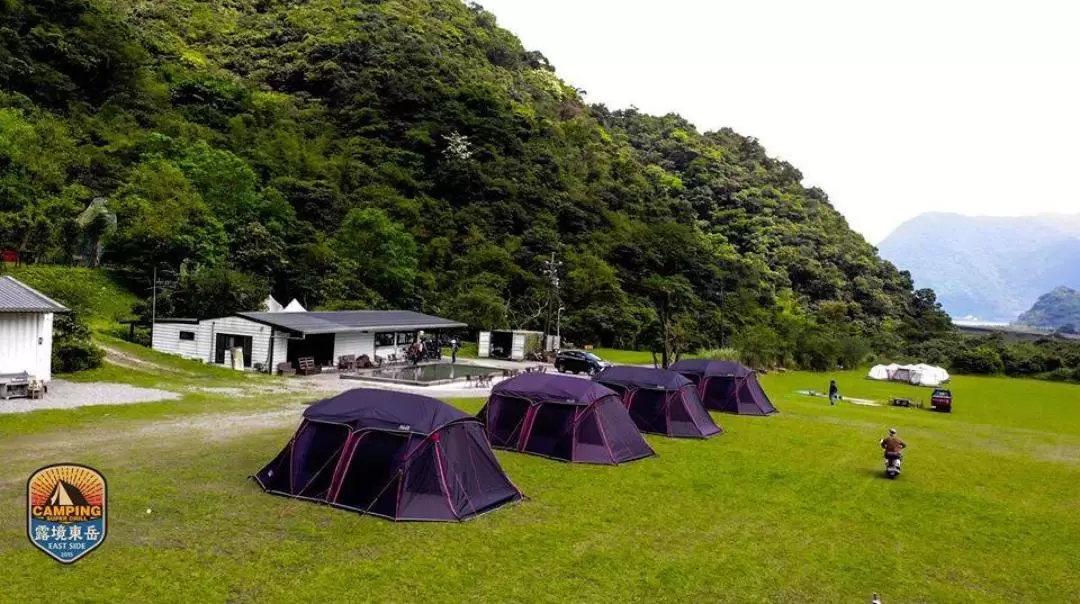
x: 187, y: 335
x: 406, y: 338
x: 384, y: 339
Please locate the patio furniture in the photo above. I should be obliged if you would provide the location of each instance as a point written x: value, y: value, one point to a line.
x: 347, y: 362
x: 37, y: 389
x: 14, y: 385
x: 306, y: 366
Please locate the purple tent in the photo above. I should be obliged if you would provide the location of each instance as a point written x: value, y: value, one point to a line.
x: 660, y: 401
x: 562, y: 417
x: 393, y: 455
x: 726, y: 386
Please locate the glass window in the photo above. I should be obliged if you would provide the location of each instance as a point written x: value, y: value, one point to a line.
x: 187, y: 335
x: 384, y: 339
x: 406, y: 338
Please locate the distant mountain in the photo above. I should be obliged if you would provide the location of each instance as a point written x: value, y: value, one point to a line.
x: 988, y: 268
x: 1054, y: 310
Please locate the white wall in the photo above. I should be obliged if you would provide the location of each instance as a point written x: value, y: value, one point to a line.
x: 167, y: 340
x: 260, y: 339
x: 354, y: 343
x: 19, y: 347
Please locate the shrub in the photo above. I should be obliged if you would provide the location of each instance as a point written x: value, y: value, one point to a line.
x: 76, y: 355
x: 72, y: 348
x: 725, y: 354
x: 980, y: 360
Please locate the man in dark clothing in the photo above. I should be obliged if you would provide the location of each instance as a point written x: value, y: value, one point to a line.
x: 833, y: 392
x: 893, y: 446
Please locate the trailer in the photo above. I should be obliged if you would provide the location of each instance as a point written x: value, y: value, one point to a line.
x: 513, y: 345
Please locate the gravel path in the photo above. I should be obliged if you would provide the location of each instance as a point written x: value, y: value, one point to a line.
x: 68, y: 395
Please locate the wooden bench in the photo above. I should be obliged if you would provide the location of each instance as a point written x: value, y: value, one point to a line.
x: 14, y: 385
x: 306, y: 366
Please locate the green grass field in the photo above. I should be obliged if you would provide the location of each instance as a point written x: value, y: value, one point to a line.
x: 791, y: 508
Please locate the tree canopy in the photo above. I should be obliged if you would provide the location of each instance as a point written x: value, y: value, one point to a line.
x: 412, y: 154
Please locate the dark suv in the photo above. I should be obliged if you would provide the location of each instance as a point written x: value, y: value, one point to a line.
x: 579, y: 361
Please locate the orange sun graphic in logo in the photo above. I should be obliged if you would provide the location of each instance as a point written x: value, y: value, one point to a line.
x: 67, y: 485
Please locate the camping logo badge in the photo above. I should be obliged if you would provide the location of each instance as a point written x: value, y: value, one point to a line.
x: 66, y: 515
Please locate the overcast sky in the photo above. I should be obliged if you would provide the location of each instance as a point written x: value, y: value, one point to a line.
x: 893, y: 108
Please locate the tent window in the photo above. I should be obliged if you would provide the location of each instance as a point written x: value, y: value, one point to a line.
x: 187, y: 335
x: 384, y: 339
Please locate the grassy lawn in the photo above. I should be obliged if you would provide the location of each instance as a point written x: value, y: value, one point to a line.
x: 791, y: 508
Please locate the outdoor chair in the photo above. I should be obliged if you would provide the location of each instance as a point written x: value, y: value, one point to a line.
x: 347, y: 362
x: 306, y: 366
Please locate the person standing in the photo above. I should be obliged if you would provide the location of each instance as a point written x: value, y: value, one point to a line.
x: 833, y: 392
x: 453, y: 350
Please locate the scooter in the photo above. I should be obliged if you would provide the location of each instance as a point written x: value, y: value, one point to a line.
x: 892, y: 467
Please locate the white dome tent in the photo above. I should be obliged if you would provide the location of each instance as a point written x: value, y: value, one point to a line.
x: 916, y: 375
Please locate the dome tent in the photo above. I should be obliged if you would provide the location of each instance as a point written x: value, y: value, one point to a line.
x: 726, y: 386
x: 390, y: 454
x: 660, y: 401
x: 562, y: 417
x: 916, y: 375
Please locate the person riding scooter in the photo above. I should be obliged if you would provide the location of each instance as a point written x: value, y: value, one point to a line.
x: 893, y: 446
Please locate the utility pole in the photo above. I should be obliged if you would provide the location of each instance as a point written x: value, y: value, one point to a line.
x: 551, y: 270
x: 721, y: 314
x: 153, y: 309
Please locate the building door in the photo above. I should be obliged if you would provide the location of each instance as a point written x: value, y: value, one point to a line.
x: 228, y: 341
x: 319, y: 347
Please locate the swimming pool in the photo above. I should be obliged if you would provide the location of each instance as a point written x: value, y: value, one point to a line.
x: 429, y: 374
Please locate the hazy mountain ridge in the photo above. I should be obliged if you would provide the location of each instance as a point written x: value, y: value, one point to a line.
x: 993, y: 268
x: 1054, y: 310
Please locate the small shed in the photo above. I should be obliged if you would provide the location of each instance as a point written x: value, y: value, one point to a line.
x: 515, y: 345
x: 26, y: 330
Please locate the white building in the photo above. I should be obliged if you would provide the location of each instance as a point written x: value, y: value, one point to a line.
x: 267, y: 339
x: 26, y: 330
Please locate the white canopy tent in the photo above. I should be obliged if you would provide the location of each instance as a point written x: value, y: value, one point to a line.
x: 917, y: 375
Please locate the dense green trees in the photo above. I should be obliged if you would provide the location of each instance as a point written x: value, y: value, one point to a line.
x: 410, y: 153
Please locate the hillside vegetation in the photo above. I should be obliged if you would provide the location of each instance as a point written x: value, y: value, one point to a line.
x: 1058, y: 309
x: 412, y: 154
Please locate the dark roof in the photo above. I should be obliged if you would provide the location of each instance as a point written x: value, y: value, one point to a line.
x: 710, y: 367
x: 350, y: 320
x: 369, y: 408
x: 15, y: 296
x: 548, y: 388
x: 642, y: 377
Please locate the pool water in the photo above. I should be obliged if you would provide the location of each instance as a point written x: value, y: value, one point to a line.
x: 430, y: 373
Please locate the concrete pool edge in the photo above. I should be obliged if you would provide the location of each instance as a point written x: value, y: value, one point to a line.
x: 494, y: 372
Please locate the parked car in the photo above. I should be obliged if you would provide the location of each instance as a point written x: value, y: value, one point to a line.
x: 579, y: 361
x: 941, y: 400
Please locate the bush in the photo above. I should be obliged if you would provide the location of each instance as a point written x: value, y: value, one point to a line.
x: 72, y: 348
x: 1062, y: 375
x: 724, y: 354
x: 76, y: 355
x: 982, y: 360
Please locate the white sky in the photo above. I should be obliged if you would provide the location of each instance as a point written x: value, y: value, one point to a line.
x: 893, y: 108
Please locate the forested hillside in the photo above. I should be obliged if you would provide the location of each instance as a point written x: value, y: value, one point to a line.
x: 412, y: 154
x: 1058, y: 309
